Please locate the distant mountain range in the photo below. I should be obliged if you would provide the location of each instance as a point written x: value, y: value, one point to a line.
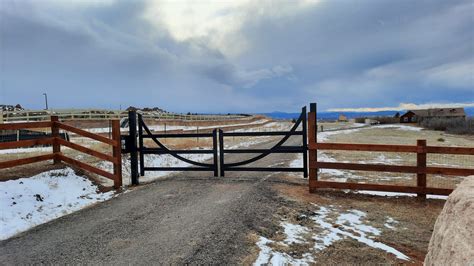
x: 334, y: 115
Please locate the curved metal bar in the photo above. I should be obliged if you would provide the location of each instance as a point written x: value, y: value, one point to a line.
x: 278, y: 145
x: 148, y: 131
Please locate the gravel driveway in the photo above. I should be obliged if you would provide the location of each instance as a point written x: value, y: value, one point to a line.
x: 186, y: 218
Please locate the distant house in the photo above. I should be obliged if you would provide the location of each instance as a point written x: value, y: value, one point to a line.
x: 342, y: 118
x: 414, y: 116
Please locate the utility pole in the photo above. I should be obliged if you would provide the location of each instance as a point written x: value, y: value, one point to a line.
x: 46, y: 100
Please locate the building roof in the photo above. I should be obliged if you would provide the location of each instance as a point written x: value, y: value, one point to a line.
x: 440, y: 112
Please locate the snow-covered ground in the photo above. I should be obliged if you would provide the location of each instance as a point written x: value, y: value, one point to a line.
x: 329, y: 225
x: 27, y: 150
x: 31, y: 201
x: 398, y: 194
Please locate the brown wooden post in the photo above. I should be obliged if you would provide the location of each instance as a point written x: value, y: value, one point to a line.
x: 55, y: 134
x: 421, y: 164
x: 312, y: 139
x: 117, y: 153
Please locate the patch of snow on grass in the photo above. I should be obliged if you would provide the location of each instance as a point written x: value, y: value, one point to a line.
x: 28, y: 202
x: 268, y: 256
x: 348, y: 224
x: 27, y: 150
x: 294, y: 233
x: 398, y: 194
x: 390, y: 223
x: 298, y: 162
x: 400, y: 127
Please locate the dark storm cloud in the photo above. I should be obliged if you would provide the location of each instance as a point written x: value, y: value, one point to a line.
x: 340, y: 53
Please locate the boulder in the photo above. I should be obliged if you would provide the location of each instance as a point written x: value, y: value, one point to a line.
x: 452, y: 242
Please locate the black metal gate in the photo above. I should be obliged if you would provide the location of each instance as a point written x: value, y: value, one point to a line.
x: 277, y: 148
x: 138, y: 130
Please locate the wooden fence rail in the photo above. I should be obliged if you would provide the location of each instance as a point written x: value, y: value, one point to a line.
x: 421, y: 169
x: 42, y: 115
x: 57, y: 156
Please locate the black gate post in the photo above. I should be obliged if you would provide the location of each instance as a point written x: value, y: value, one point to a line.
x: 221, y: 152
x: 140, y: 145
x: 214, y: 149
x: 305, y: 143
x: 132, y: 123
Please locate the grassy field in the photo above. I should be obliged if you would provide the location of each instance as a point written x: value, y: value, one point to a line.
x: 399, y: 135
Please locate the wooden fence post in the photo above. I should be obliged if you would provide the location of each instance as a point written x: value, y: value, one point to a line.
x: 55, y: 134
x: 117, y: 153
x: 312, y: 138
x: 421, y: 164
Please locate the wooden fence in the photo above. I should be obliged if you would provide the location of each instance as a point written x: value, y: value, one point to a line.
x: 42, y: 115
x: 57, y: 156
x: 421, y: 169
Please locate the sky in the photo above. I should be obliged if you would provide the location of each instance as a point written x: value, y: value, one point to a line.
x: 236, y: 56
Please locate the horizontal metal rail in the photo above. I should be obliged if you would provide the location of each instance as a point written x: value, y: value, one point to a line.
x: 262, y: 134
x: 179, y: 168
x: 265, y: 169
x: 287, y: 149
x: 162, y: 151
x: 179, y: 135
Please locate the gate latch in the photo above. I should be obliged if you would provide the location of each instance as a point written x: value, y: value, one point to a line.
x: 126, y: 143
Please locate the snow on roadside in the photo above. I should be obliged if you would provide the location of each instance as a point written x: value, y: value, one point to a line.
x: 349, y: 225
x: 28, y: 202
x: 329, y: 226
x: 268, y: 256
x: 397, y: 194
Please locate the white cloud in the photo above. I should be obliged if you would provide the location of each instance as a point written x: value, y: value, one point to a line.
x: 403, y: 106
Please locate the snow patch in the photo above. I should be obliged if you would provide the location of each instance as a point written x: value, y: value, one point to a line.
x: 398, y: 194
x: 268, y: 256
x: 348, y: 224
x: 28, y: 202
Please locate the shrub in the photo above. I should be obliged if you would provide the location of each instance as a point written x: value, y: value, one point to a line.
x: 450, y: 125
x: 386, y: 119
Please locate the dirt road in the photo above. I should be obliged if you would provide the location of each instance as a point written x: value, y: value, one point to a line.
x: 186, y: 218
x: 197, y: 218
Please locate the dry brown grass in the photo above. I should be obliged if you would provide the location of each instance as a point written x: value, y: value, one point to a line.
x: 400, y: 137
x: 411, y: 236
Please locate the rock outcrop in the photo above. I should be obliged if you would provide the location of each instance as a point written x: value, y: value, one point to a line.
x: 452, y: 242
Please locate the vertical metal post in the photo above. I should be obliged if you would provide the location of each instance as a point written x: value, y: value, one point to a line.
x: 421, y: 164
x: 305, y: 144
x: 312, y: 138
x: 140, y: 144
x: 214, y: 149
x: 221, y: 152
x: 55, y: 134
x: 132, y: 123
